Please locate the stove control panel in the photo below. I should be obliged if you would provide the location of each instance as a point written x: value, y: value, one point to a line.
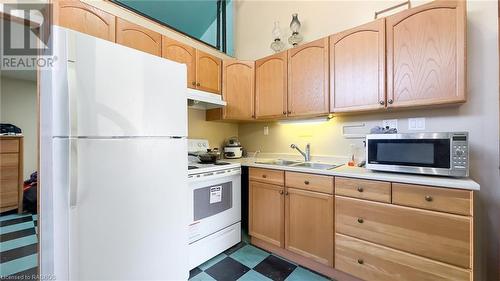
x: 197, y: 145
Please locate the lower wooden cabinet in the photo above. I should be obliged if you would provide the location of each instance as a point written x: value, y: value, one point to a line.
x: 298, y: 219
x: 266, y: 216
x: 11, y: 173
x: 373, y: 262
x: 438, y: 236
x: 309, y: 224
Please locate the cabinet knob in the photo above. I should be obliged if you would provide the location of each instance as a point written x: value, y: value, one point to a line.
x: 289, y: 112
x: 360, y: 189
x: 390, y: 101
x: 286, y: 192
x: 198, y: 84
x: 284, y: 112
x: 253, y: 115
x: 381, y: 102
x: 193, y: 83
x: 264, y: 176
x: 428, y: 198
x: 306, y: 182
x: 281, y: 192
x: 360, y: 220
x: 360, y: 261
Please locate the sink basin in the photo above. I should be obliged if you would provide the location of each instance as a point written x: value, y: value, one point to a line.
x: 279, y: 162
x: 319, y: 166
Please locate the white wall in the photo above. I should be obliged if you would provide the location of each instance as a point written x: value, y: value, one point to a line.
x: 479, y: 116
x: 18, y: 106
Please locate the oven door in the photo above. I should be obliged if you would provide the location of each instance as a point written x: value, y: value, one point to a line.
x: 410, y: 153
x: 215, y: 203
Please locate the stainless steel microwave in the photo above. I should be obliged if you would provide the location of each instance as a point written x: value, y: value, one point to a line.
x: 445, y: 154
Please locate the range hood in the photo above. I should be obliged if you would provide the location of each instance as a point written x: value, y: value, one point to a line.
x: 204, y: 100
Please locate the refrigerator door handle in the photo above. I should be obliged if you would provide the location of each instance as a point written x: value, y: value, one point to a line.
x: 73, y: 99
x: 73, y: 173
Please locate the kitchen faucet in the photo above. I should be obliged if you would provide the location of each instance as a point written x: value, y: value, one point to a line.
x: 307, y: 154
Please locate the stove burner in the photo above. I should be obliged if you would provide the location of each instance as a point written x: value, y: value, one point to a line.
x: 221, y: 163
x: 192, y: 167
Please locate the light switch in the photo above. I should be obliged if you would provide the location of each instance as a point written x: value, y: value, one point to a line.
x: 416, y: 124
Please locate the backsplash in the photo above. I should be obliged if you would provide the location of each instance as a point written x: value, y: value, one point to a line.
x: 215, y: 132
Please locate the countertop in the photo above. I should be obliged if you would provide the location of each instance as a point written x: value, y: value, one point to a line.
x: 362, y: 173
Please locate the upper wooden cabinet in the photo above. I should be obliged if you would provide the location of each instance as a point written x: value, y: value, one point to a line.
x: 308, y: 79
x: 238, y: 89
x: 208, y: 72
x: 271, y: 86
x: 357, y: 68
x: 426, y: 55
x: 138, y: 37
x: 84, y: 18
x: 176, y: 51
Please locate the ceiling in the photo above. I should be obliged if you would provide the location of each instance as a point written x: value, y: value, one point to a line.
x: 189, y: 16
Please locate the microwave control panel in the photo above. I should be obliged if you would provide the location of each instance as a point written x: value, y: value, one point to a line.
x: 460, y: 152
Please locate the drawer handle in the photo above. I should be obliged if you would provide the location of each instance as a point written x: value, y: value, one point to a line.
x: 360, y: 220
x: 360, y: 189
x: 428, y: 198
x: 286, y: 192
x: 306, y: 182
x: 281, y: 192
x: 264, y: 176
x: 360, y: 261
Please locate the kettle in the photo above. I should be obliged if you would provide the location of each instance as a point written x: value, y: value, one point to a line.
x: 233, y: 149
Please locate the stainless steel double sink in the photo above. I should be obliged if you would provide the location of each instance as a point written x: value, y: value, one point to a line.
x: 298, y: 164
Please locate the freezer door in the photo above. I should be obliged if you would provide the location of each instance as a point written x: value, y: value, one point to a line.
x: 103, y: 89
x: 128, y: 211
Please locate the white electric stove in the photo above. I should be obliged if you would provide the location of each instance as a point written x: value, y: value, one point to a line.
x: 215, y: 205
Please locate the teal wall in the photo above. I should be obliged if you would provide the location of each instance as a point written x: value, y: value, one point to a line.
x: 196, y: 18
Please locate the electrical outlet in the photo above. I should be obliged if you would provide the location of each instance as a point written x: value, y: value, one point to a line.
x: 416, y: 124
x: 391, y: 123
x: 266, y: 130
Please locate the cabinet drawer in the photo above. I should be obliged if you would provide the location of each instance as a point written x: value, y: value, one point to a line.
x: 363, y: 189
x: 310, y: 182
x: 438, y: 236
x: 9, y: 146
x: 267, y: 176
x: 9, y: 173
x: 433, y: 198
x: 373, y: 262
x: 9, y: 160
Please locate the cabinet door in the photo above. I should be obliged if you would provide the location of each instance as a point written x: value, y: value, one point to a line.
x: 426, y: 55
x: 309, y: 224
x: 208, y: 72
x: 176, y: 51
x: 266, y: 212
x: 308, y: 79
x: 357, y: 68
x: 271, y: 86
x: 138, y: 37
x: 238, y: 89
x: 84, y: 18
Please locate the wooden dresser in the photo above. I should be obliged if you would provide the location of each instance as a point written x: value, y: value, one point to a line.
x: 11, y: 173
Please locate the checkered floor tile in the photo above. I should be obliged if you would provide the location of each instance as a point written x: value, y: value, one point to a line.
x: 244, y: 262
x: 18, y: 246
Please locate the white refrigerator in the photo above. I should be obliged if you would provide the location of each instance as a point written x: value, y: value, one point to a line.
x: 113, y: 190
